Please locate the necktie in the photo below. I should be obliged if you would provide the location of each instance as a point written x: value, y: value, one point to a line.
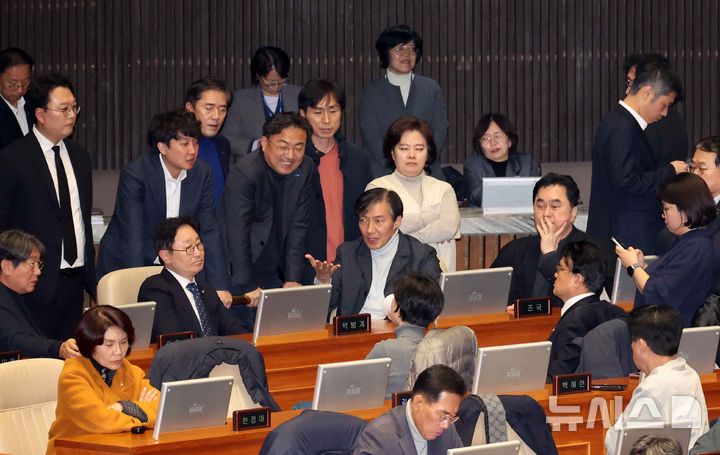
x: 69, y: 242
x: 202, y: 311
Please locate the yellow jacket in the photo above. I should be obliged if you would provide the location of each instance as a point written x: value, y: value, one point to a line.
x: 83, y: 400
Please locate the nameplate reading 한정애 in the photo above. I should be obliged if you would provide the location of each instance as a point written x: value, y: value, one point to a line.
x: 564, y: 384
x: 354, y: 323
x: 532, y: 307
x: 246, y: 419
x: 167, y: 338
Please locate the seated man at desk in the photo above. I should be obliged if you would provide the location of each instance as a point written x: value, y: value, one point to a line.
x: 425, y: 425
x: 669, y: 389
x: 579, y: 281
x: 20, y: 267
x: 366, y: 269
x: 534, y: 258
x: 185, y: 302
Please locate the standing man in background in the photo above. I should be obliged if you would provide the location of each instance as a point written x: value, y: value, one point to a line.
x: 16, y: 116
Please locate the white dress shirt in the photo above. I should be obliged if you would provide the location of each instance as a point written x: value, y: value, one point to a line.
x: 173, y: 189
x: 19, y: 112
x: 640, y: 120
x: 191, y: 298
x: 572, y: 301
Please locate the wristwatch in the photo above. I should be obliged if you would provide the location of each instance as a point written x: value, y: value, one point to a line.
x: 631, y: 268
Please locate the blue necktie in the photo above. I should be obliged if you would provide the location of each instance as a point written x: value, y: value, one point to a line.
x: 202, y: 311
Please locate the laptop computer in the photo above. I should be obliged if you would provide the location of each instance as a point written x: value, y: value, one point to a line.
x: 698, y: 346
x: 508, y: 194
x: 497, y: 448
x: 679, y: 431
x: 512, y: 368
x: 194, y: 403
x: 290, y: 310
x: 476, y: 291
x: 141, y: 315
x: 623, y: 285
x: 359, y: 384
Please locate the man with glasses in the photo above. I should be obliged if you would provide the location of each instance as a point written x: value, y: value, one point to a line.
x: 265, y: 212
x: 425, y: 425
x: 46, y: 190
x: 167, y: 182
x: 16, y: 116
x: 20, y: 267
x: 185, y: 302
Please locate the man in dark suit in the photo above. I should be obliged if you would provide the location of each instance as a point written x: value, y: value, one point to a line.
x: 185, y: 302
x: 625, y: 175
x: 426, y: 424
x: 16, y: 116
x: 265, y: 211
x: 167, y: 182
x: 366, y: 269
x: 208, y: 98
x: 46, y: 191
x: 578, y: 283
x: 20, y: 266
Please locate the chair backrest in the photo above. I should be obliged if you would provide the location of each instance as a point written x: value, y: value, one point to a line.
x: 455, y: 347
x: 121, y: 287
x: 606, y: 351
x: 239, y: 397
x: 27, y: 404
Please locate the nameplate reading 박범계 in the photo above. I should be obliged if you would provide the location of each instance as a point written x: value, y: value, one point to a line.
x: 167, y: 338
x: 354, y: 323
x: 539, y: 306
x: 246, y: 419
x: 564, y: 384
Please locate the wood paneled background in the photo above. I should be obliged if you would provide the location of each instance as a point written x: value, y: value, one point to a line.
x: 553, y: 66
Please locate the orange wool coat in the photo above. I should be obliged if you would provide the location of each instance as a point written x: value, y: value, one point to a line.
x: 83, y: 400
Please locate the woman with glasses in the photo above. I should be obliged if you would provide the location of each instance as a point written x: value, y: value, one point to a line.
x: 400, y: 92
x: 269, y: 95
x: 430, y: 213
x: 494, y: 142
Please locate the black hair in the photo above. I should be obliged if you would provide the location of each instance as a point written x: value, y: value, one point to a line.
x: 166, y: 231
x: 437, y: 379
x: 17, y: 246
x: 402, y: 126
x: 571, y: 189
x: 317, y: 90
x: 661, y: 76
x: 659, y: 325
x: 95, y: 322
x: 167, y: 126
x: 691, y: 195
x: 39, y: 93
x: 589, y: 261
x: 651, y: 444
x: 13, y: 56
x: 710, y: 144
x: 502, y: 122
x: 375, y: 195
x: 200, y: 86
x: 636, y: 59
x: 393, y: 36
x: 419, y: 298
x: 265, y: 60
x: 283, y: 120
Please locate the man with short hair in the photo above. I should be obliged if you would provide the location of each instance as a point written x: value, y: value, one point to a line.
x: 208, y: 98
x: 670, y: 391
x: 425, y: 424
x: 579, y: 280
x: 167, y: 182
x: 46, y: 191
x: 185, y: 301
x: 16, y: 115
x: 20, y: 266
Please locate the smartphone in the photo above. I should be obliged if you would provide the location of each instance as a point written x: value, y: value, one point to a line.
x: 615, y: 241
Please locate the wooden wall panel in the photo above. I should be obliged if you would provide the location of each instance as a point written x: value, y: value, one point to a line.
x: 552, y: 66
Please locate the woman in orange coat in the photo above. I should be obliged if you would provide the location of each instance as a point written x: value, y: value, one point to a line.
x: 101, y: 392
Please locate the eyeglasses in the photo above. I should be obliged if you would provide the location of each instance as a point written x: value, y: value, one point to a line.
x: 697, y: 169
x: 404, y: 50
x: 191, y: 249
x: 446, y: 418
x: 497, y: 137
x: 66, y: 111
x: 32, y: 264
x: 272, y: 84
x: 12, y: 85
x: 284, y: 147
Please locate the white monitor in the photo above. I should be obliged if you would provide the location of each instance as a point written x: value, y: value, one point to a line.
x: 359, y: 384
x: 497, y: 448
x: 512, y: 368
x: 679, y: 431
x: 290, y: 310
x: 508, y: 194
x: 623, y: 285
x: 698, y: 346
x: 141, y: 315
x: 472, y: 292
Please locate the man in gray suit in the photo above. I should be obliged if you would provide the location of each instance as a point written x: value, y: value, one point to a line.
x: 425, y: 425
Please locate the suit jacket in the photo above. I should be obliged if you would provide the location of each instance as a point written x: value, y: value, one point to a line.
x: 246, y: 116
x: 9, y: 127
x: 246, y: 213
x: 18, y: 332
x: 625, y: 178
x: 28, y: 201
x: 390, y: 433
x: 477, y: 166
x: 382, y: 103
x: 83, y: 400
x: 577, y: 321
x: 141, y: 205
x: 351, y: 282
x: 174, y: 312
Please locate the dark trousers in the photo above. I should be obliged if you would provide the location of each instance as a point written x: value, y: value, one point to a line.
x: 59, y: 317
x: 247, y: 314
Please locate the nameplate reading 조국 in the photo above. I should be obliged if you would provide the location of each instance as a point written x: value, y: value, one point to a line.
x: 167, y: 338
x: 539, y: 306
x: 354, y: 323
x: 564, y: 384
x: 247, y: 419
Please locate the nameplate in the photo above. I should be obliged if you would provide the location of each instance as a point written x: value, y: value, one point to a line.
x: 401, y: 398
x: 240, y: 300
x: 10, y: 356
x: 247, y: 419
x: 167, y: 338
x: 539, y: 306
x: 354, y: 323
x: 564, y: 384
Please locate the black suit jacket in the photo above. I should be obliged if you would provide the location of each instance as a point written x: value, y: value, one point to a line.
x: 9, y: 127
x: 28, y: 201
x: 351, y: 282
x: 577, y: 321
x: 246, y: 213
x: 625, y: 178
x: 174, y: 313
x: 18, y: 332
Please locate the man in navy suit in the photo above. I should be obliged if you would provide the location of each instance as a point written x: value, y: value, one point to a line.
x: 185, y: 302
x: 16, y: 116
x: 167, y: 182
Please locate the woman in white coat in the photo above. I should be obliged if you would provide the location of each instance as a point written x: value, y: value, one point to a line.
x: 430, y: 212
